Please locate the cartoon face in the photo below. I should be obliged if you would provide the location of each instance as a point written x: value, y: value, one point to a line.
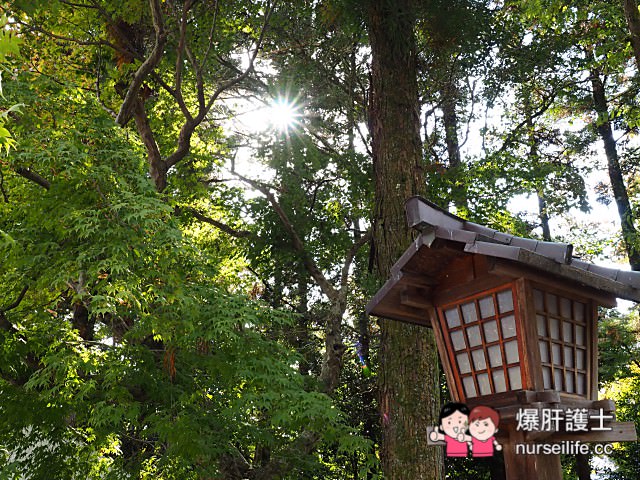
x: 454, y: 424
x: 482, y: 429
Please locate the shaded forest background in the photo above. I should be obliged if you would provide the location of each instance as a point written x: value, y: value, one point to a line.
x: 182, y: 297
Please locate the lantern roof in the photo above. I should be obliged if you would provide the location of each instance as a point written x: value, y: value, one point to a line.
x: 444, y: 236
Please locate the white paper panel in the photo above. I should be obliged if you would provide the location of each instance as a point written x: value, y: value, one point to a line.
x: 515, y: 380
x: 508, y: 326
x: 567, y: 332
x: 552, y: 303
x: 546, y: 377
x: 568, y: 356
x: 581, y: 337
x: 473, y: 336
x: 452, y: 316
x: 487, y: 308
x: 464, y: 364
x: 457, y: 339
x: 544, y: 352
x: 538, y: 299
x: 469, y: 312
x: 581, y: 386
x: 557, y: 379
x: 554, y: 327
x: 495, y: 355
x: 505, y: 301
x: 499, y: 383
x: 565, y: 307
x: 469, y: 387
x: 511, y: 351
x: 490, y: 331
x: 581, y: 359
x: 483, y: 384
x: 568, y: 378
x: 556, y: 354
x: 542, y: 325
x: 479, y: 361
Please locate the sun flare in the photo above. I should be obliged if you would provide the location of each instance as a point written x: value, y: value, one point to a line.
x: 283, y: 114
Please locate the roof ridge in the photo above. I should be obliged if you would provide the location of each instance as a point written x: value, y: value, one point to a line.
x: 425, y: 215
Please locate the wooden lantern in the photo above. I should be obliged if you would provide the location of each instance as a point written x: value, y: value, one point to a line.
x: 515, y: 319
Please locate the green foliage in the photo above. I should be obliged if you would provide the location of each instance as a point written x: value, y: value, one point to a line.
x: 625, y: 456
x: 9, y: 46
x: 9, y: 41
x: 618, y: 345
x: 619, y: 375
x: 149, y: 344
x: 179, y: 373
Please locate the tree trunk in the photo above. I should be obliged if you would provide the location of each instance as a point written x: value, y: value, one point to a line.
x: 496, y: 468
x: 583, y: 467
x: 450, y: 119
x: 618, y: 187
x: 544, y: 217
x: 633, y: 22
x: 302, y: 338
x: 409, y: 378
x: 543, y: 212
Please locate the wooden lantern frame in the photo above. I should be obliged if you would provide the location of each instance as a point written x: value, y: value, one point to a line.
x: 452, y: 266
x: 570, y: 362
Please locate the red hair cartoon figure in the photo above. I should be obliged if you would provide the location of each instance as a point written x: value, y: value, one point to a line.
x: 453, y: 421
x: 483, y: 424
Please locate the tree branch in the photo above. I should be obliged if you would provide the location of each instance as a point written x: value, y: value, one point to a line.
x: 252, y: 58
x: 5, y: 196
x: 186, y: 132
x: 5, y: 324
x: 281, y: 464
x: 221, y: 226
x: 344, y: 276
x: 179, y: 61
x: 98, y: 92
x: 81, y: 5
x: 17, y: 302
x: 234, y: 466
x: 34, y: 177
x: 157, y: 167
x: 210, y: 43
x: 147, y: 66
x: 298, y: 245
x: 34, y: 28
x: 545, y: 106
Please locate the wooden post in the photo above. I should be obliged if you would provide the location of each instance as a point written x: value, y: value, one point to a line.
x: 519, y: 466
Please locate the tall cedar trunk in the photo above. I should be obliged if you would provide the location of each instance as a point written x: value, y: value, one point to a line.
x: 625, y: 212
x: 534, y: 142
x: 544, y: 217
x: 409, y: 379
x: 302, y: 339
x: 633, y: 22
x: 449, y: 95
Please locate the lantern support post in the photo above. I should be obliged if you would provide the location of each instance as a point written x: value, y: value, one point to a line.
x: 520, y: 466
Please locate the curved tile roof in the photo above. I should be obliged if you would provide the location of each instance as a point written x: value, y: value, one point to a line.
x: 553, y: 258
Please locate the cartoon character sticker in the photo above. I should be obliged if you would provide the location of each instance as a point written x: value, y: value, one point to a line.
x: 461, y: 430
x: 483, y: 424
x: 452, y: 425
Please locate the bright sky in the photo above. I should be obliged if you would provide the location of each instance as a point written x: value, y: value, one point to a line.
x: 282, y: 114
